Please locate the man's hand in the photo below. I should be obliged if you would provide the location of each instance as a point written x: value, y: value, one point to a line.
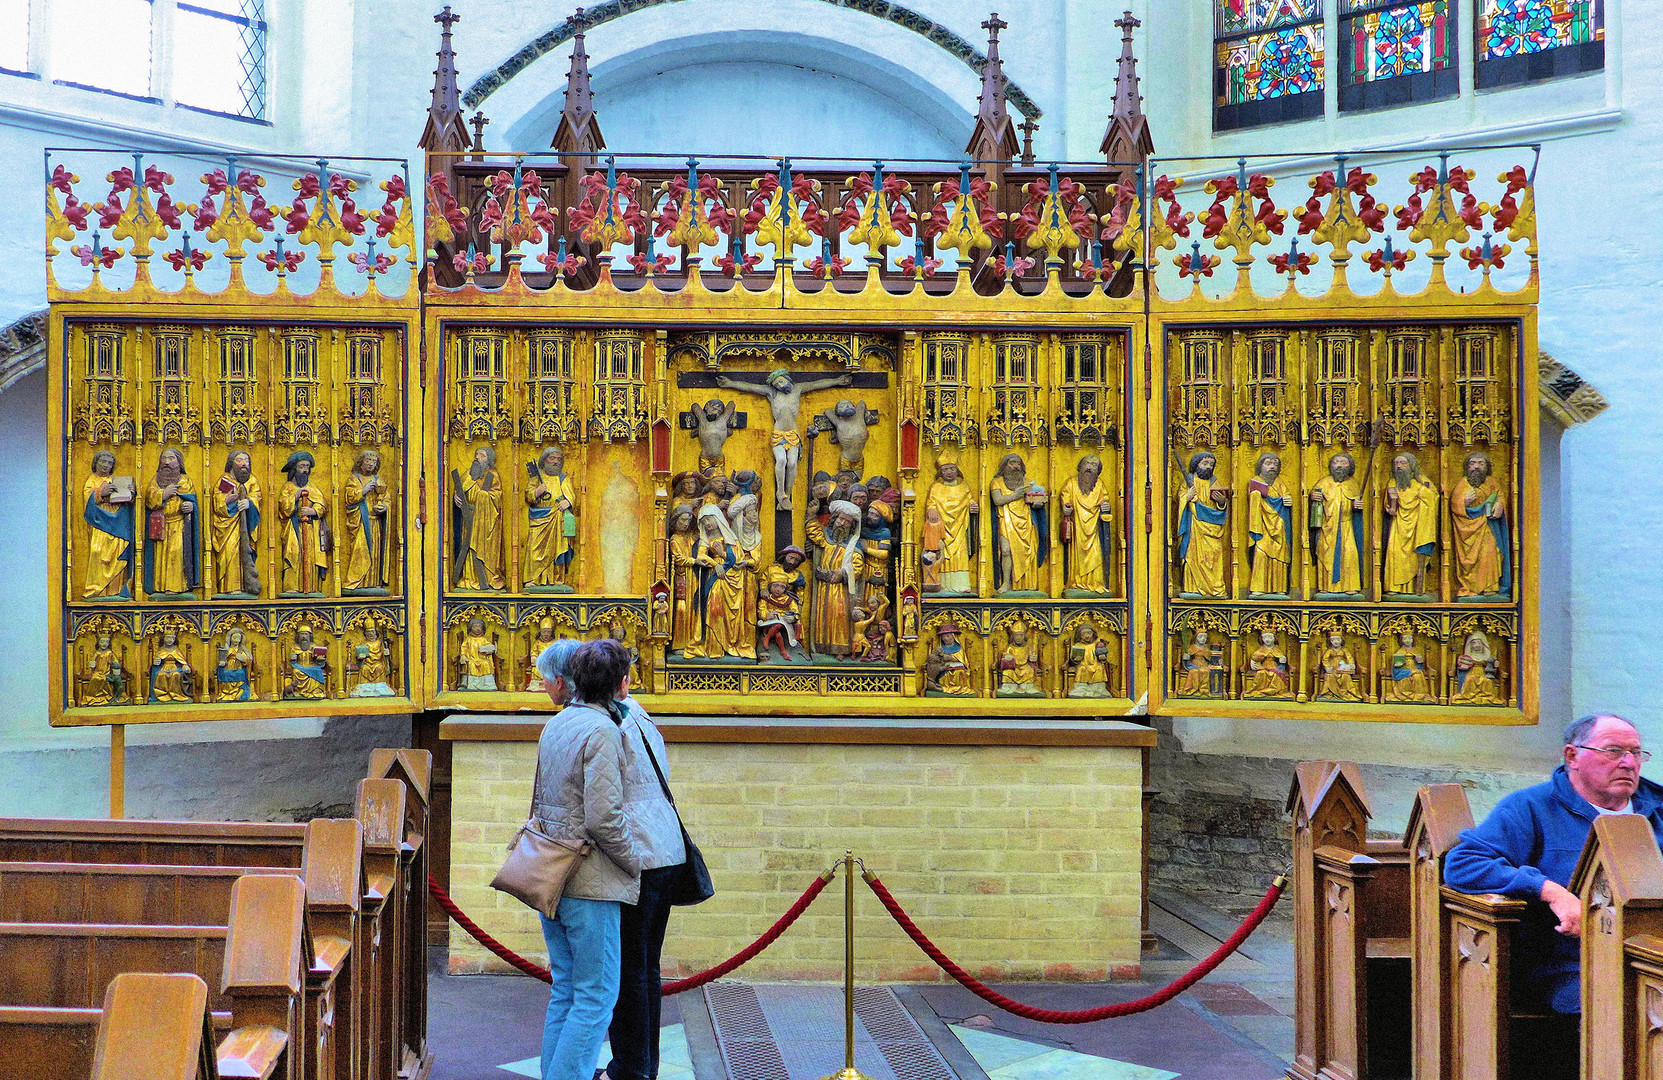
x: 1567, y: 907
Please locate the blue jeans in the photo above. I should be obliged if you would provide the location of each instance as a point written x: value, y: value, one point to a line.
x: 583, y: 961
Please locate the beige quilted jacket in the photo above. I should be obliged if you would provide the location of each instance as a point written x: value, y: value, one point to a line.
x: 580, y: 796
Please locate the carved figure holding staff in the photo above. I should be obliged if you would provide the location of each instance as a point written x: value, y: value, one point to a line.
x: 304, y: 506
x: 234, y: 528
x: 948, y: 540
x: 785, y: 399
x: 1412, y: 529
x: 171, y: 548
x: 835, y: 590
x: 476, y: 524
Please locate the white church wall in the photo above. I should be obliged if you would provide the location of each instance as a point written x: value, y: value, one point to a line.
x: 355, y: 77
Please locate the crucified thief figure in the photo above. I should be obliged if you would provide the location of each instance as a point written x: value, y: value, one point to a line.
x: 785, y: 399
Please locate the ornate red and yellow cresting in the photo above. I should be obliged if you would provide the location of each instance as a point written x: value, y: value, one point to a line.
x: 847, y: 440
x: 234, y: 361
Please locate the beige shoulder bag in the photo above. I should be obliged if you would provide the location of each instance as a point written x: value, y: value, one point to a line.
x: 538, y: 865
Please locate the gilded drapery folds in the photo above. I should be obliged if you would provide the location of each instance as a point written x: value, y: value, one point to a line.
x: 810, y: 462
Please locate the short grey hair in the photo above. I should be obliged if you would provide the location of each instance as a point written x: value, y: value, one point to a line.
x: 1578, y: 729
x: 552, y: 661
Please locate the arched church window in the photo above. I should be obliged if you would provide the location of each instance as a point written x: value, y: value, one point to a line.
x: 220, y: 57
x: 1520, y: 41
x: 1268, y: 62
x: 1396, y: 54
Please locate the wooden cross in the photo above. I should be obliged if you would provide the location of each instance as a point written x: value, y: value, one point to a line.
x: 446, y: 18
x: 1127, y: 23
x: 478, y: 121
x: 994, y: 24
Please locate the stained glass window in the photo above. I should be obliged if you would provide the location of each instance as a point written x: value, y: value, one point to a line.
x: 1268, y: 62
x: 1521, y: 41
x: 1396, y: 54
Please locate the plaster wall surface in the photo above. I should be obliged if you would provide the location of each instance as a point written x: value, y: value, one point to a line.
x: 353, y: 76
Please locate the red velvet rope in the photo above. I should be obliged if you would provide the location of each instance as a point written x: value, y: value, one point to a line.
x: 1082, y: 1016
x: 693, y: 982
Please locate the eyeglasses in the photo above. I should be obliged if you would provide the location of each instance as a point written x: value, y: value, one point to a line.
x: 1616, y: 753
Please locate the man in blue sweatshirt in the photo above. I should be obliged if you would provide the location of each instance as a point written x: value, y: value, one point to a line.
x: 1529, y: 845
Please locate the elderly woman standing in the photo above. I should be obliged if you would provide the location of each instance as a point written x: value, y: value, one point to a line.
x: 657, y: 830
x: 581, y: 796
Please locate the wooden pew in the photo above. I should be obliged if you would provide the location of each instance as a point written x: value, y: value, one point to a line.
x: 1620, y: 880
x: 414, y: 769
x: 367, y: 926
x: 57, y: 980
x: 1351, y: 929
x: 152, y: 1027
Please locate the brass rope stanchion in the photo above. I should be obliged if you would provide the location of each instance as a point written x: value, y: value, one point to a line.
x: 848, y: 1072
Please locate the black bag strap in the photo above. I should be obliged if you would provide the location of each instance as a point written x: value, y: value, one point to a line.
x: 652, y: 757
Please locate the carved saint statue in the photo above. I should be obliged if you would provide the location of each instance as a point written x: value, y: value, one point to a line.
x: 542, y: 639
x: 779, y: 612
x: 785, y: 399
x: 370, y: 524
x: 1087, y: 527
x: 712, y: 425
x: 620, y: 633
x: 551, y: 528
x: 304, y: 506
x: 1411, y: 679
x: 1021, y: 531
x: 1336, y: 519
x: 109, y: 515
x: 1268, y: 674
x: 369, y: 667
x: 1019, y: 664
x: 724, y: 594
x: 1477, y: 674
x: 235, y: 668
x: 1478, y: 513
x: 1202, y: 661
x: 476, y: 662
x: 745, y: 523
x: 476, y: 524
x: 949, y: 535
x: 687, y: 621
x: 874, y: 638
x: 1411, y: 527
x: 171, y: 546
x: 171, y: 677
x: 103, y: 678
x: 1088, y: 661
x: 877, y: 542
x: 945, y: 671
x: 1337, y: 678
x: 835, y: 590
x: 234, y: 528
x: 847, y: 421
x: 1203, y: 524
x: 308, y: 669
x: 1269, y: 528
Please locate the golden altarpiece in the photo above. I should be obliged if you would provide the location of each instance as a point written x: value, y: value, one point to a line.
x: 1003, y: 438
